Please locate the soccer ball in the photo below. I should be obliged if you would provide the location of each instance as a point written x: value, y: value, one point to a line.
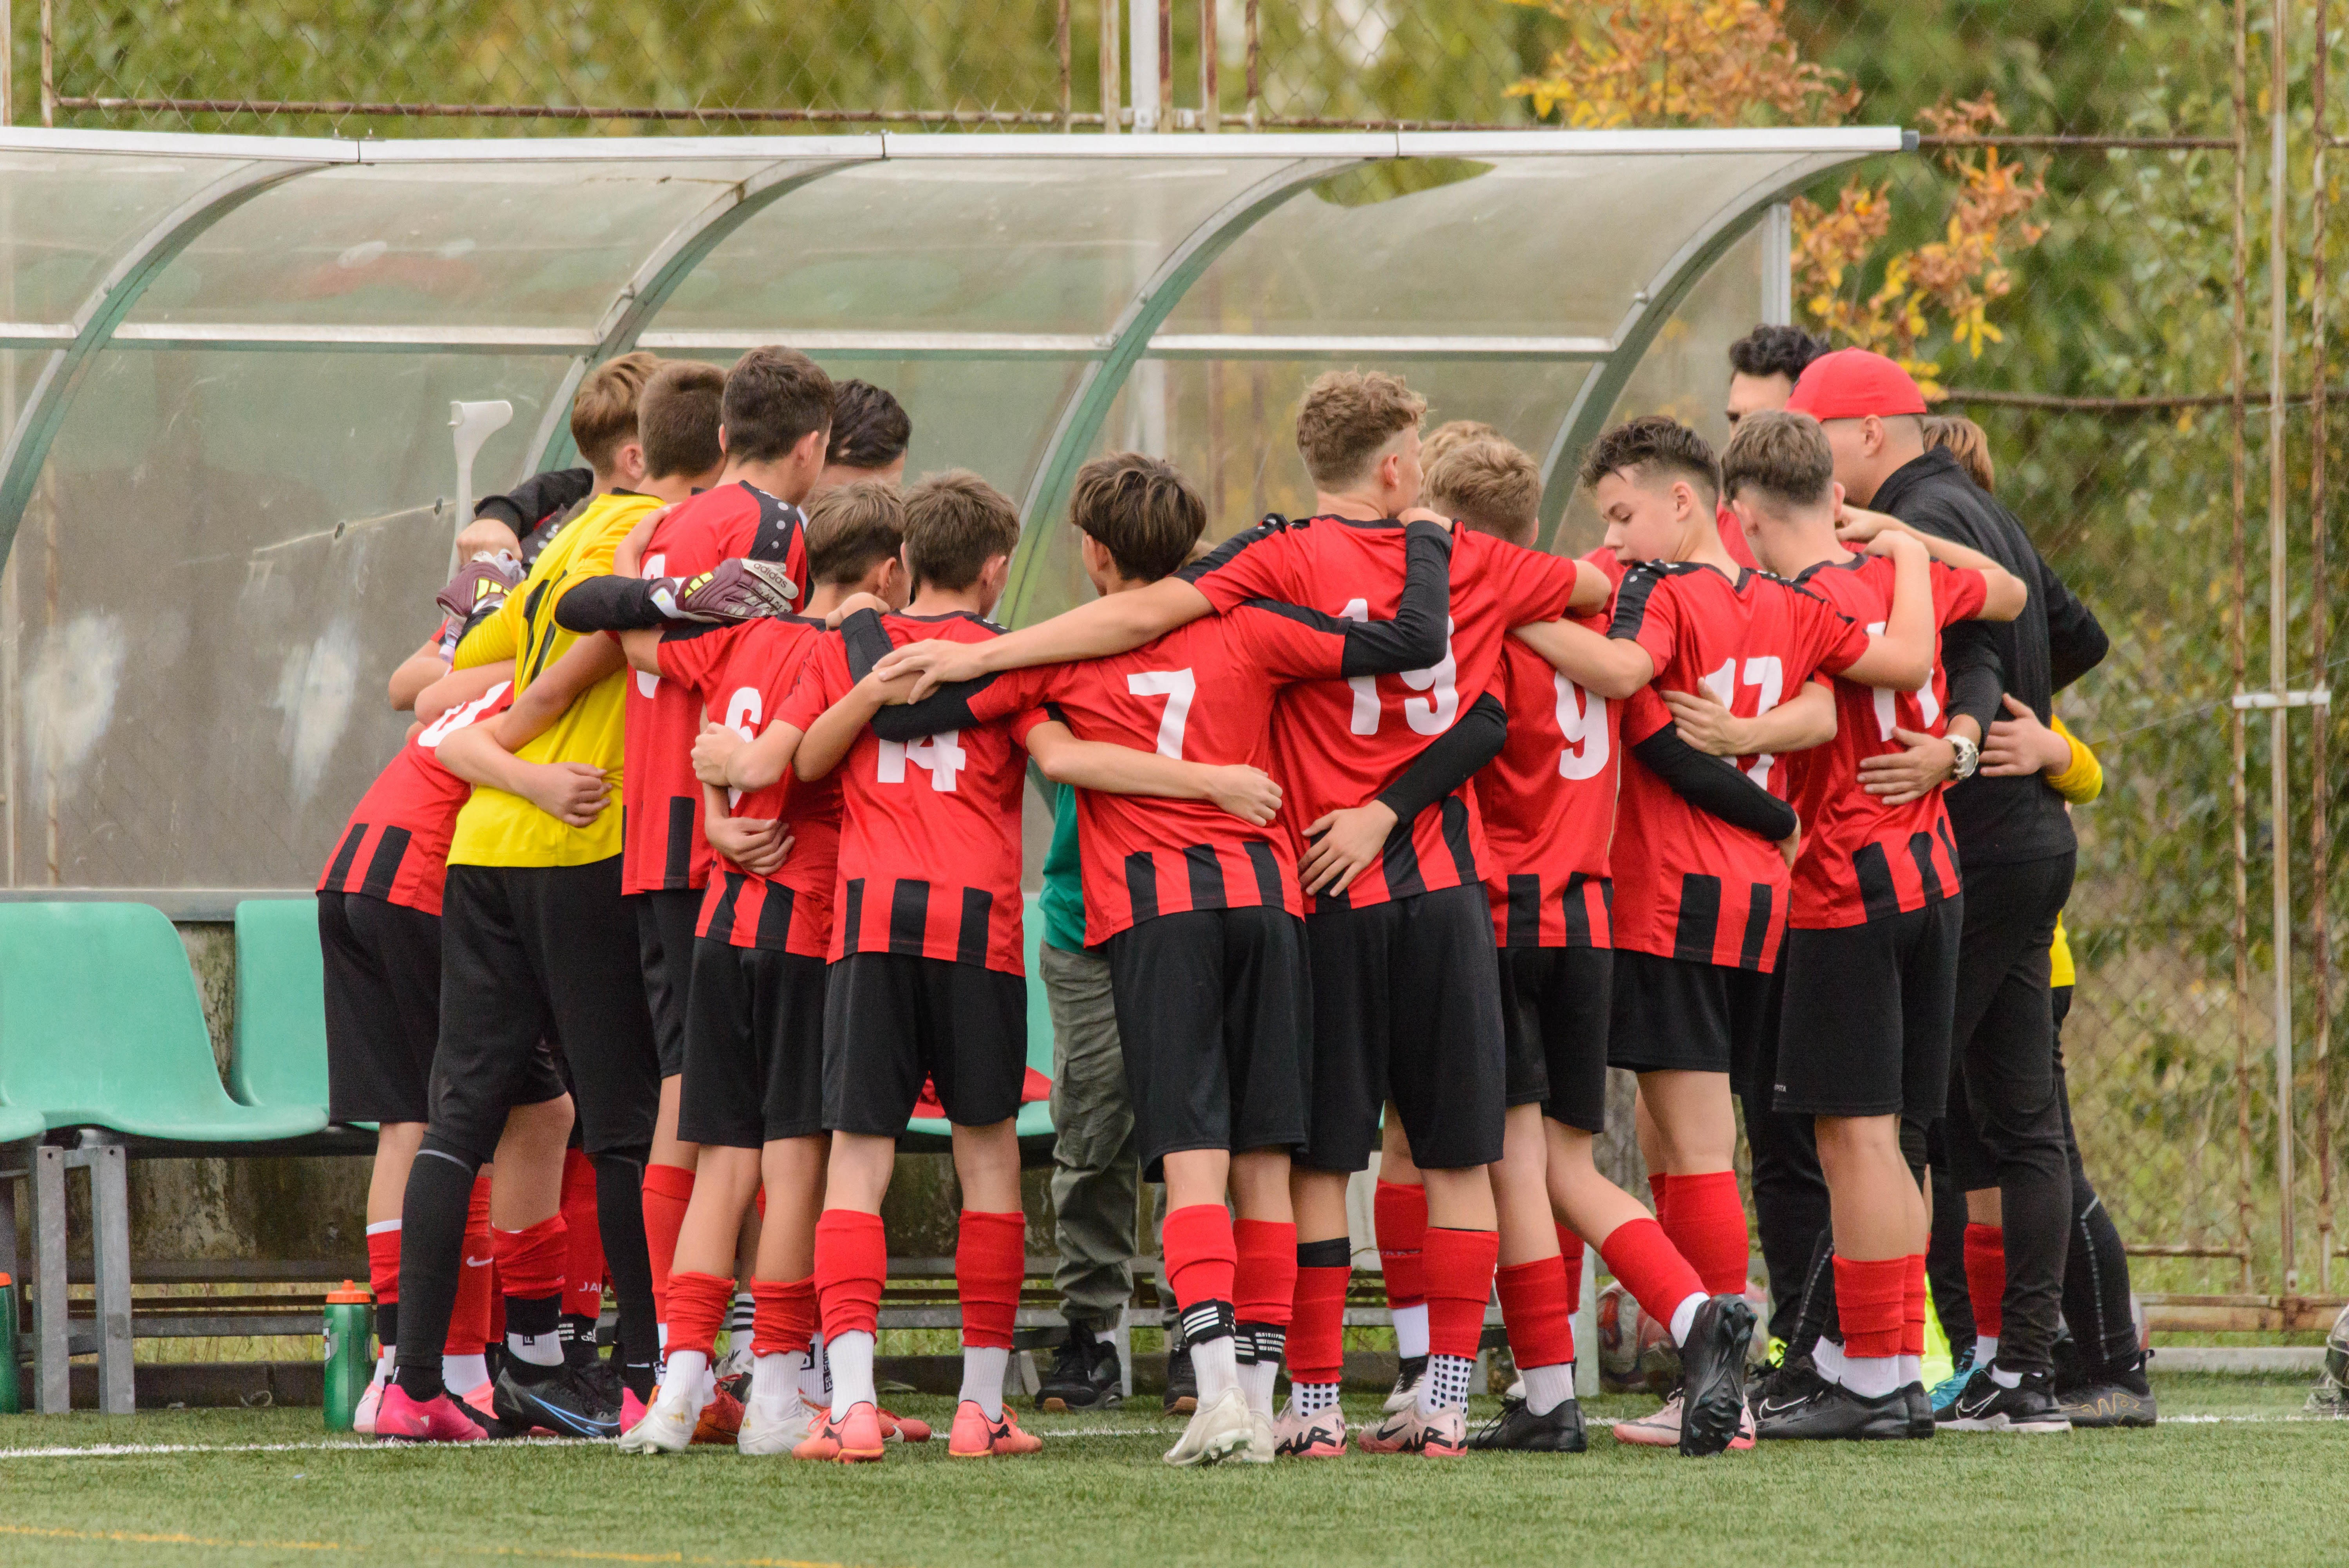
x: 1635, y: 1350
x: 2331, y: 1395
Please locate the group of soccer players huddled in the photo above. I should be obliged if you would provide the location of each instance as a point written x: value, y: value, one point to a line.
x: 1395, y: 833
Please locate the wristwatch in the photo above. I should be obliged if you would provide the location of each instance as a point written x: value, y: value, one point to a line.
x: 1968, y: 758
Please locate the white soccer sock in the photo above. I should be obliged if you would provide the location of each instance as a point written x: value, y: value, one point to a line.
x: 743, y: 1313
x: 2005, y: 1379
x: 1985, y: 1349
x: 461, y: 1374
x: 1826, y: 1356
x: 1311, y: 1399
x: 684, y: 1376
x: 1411, y: 1330
x: 538, y: 1349
x: 1446, y: 1382
x: 1548, y: 1388
x: 1870, y: 1376
x: 983, y: 1367
x: 815, y: 1378
x: 1215, y: 1362
x: 1912, y: 1370
x: 851, y: 1359
x: 775, y: 1382
x: 1683, y: 1316
x: 1256, y: 1381
x: 385, y: 1363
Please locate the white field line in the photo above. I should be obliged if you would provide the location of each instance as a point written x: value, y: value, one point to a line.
x: 138, y: 1450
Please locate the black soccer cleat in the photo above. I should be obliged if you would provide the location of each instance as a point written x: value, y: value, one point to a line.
x: 2124, y: 1400
x: 1986, y: 1405
x: 1085, y: 1376
x: 1834, y: 1412
x: 1712, y: 1375
x: 1920, y: 1411
x: 1786, y: 1387
x: 1182, y: 1381
x: 568, y: 1404
x: 1516, y: 1428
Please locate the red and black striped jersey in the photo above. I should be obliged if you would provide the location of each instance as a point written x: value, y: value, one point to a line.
x: 1687, y: 884
x: 1339, y: 743
x: 742, y: 674
x: 1203, y: 692
x: 396, y: 845
x: 1548, y: 802
x: 1861, y: 859
x: 929, y: 834
x: 661, y: 842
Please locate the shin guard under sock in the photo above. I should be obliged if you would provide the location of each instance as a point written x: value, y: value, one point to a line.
x: 990, y: 1260
x: 1400, y: 1214
x: 851, y: 1264
x: 1569, y: 1248
x: 1264, y: 1276
x: 782, y: 1316
x: 619, y: 1215
x: 1986, y: 1278
x: 474, y: 1320
x: 1869, y: 1297
x: 1459, y: 1283
x: 583, y: 1266
x: 1317, y: 1334
x: 1533, y: 1311
x: 667, y: 1190
x: 1707, y: 1223
x: 697, y: 1305
x: 1639, y: 1253
x: 432, y: 1240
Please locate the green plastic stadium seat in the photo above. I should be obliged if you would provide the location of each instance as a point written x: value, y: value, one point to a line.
x: 17, y: 1126
x: 100, y: 1026
x: 1035, y: 1119
x: 279, y: 1058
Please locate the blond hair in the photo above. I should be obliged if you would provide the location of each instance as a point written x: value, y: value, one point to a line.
x: 1490, y: 484
x: 1347, y: 417
x: 604, y: 410
x: 1965, y: 441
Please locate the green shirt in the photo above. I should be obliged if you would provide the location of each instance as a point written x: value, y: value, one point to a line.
x: 1063, y: 897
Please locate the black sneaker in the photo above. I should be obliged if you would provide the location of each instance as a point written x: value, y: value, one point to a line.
x: 1409, y: 1371
x: 1784, y: 1387
x: 603, y: 1378
x: 1712, y: 1375
x: 2108, y: 1396
x: 1085, y: 1376
x: 1181, y: 1383
x: 568, y: 1404
x: 1517, y: 1428
x: 1986, y: 1405
x: 1835, y: 1412
x: 1920, y: 1411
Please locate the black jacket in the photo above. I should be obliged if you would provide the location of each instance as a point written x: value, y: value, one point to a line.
x: 2052, y: 643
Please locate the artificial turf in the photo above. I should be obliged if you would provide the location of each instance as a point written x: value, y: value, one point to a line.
x: 2239, y: 1478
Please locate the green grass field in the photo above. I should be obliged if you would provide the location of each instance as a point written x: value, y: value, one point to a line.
x: 2232, y: 1476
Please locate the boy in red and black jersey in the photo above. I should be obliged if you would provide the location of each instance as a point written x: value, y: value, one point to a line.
x: 750, y: 1096
x: 1199, y: 912
x: 771, y: 414
x: 1405, y: 995
x: 926, y: 977
x: 1871, y: 951
x: 1700, y: 904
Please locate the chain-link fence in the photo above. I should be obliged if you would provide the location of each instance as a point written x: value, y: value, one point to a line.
x: 2113, y: 336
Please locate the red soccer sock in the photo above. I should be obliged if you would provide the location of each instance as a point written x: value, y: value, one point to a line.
x: 1535, y: 1312
x: 1201, y: 1254
x: 851, y: 1264
x: 783, y: 1315
x: 1569, y: 1248
x: 1986, y: 1277
x: 1639, y: 1253
x: 696, y: 1307
x: 667, y: 1189
x: 1316, y: 1331
x: 990, y: 1260
x: 1868, y: 1304
x: 1399, y: 1212
x: 582, y: 1267
x: 383, y: 1261
x: 477, y: 1317
x: 1264, y: 1279
x: 1459, y: 1284
x: 1707, y: 1223
x: 1912, y: 1306
x: 531, y: 1260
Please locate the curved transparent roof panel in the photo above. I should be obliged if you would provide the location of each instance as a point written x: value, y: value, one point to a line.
x: 230, y: 361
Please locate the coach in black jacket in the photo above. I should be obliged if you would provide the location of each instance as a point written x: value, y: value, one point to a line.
x: 2015, y: 851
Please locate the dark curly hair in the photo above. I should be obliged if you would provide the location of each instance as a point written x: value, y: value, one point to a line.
x: 1653, y: 442
x: 869, y: 426
x: 1774, y: 351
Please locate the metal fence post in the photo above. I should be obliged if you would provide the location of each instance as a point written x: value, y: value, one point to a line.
x: 2320, y: 615
x: 2280, y: 624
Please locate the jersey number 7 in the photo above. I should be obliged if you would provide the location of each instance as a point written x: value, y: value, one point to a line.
x: 1178, y: 686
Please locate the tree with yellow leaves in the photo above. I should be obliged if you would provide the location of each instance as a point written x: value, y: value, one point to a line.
x: 1731, y: 62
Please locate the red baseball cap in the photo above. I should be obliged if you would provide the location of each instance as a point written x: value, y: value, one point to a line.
x: 1852, y: 383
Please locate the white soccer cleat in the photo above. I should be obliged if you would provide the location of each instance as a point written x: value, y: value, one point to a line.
x: 1409, y: 1372
x: 764, y: 1436
x: 1660, y: 1429
x: 1262, y: 1447
x: 667, y: 1427
x: 1217, y: 1429
x: 363, y: 1419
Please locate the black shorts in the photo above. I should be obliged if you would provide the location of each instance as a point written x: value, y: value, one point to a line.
x: 1864, y: 1030
x: 1676, y: 1015
x: 1554, y: 1008
x: 530, y: 954
x: 754, y: 1047
x: 1407, y: 1007
x: 666, y: 917
x: 890, y: 1018
x: 383, y: 1007
x: 1216, y: 1022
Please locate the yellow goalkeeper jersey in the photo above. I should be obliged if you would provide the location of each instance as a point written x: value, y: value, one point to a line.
x: 500, y: 829
x: 2078, y: 784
